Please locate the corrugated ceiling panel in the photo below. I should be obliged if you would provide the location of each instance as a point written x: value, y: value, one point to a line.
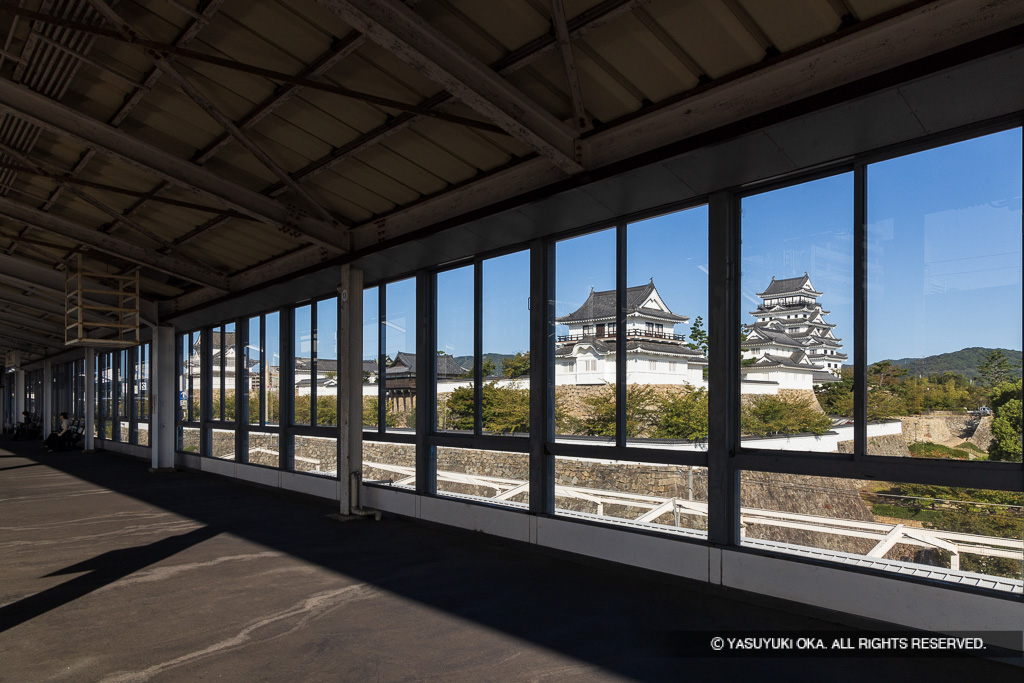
x: 239, y: 166
x: 233, y: 246
x: 367, y: 202
x: 341, y: 194
x: 513, y: 23
x: 374, y: 70
x: 270, y: 35
x: 643, y: 57
x: 711, y: 34
x: 793, y: 23
x: 475, y: 147
x: 324, y: 125
x: 412, y: 145
x: 389, y: 189
x: 309, y: 10
x: 403, y: 169
x: 464, y: 30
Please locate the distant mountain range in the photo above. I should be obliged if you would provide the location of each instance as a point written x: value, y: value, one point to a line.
x: 964, y: 362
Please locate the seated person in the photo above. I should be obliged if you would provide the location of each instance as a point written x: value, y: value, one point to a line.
x: 55, y: 440
x: 22, y: 429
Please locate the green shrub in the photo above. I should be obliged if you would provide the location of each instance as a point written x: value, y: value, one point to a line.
x: 683, y: 416
x: 782, y: 415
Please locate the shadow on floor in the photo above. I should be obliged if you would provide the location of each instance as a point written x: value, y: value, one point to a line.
x: 623, y: 622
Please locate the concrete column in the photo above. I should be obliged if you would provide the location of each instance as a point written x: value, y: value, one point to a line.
x: 88, y: 440
x: 47, y: 398
x: 163, y: 397
x: 350, y: 384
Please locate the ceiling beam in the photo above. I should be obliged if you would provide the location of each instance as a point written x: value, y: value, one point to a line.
x: 9, y: 316
x: 401, y: 31
x: 69, y: 123
x: 207, y: 105
x: 32, y: 338
x: 112, y: 245
x: 186, y: 53
x: 32, y: 303
x: 21, y: 272
x: 569, y: 65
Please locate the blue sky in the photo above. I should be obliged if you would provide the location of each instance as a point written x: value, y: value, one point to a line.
x: 944, y: 231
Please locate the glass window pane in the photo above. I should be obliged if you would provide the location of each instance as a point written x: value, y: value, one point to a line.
x: 217, y: 372
x: 264, y: 449
x: 316, y: 455
x: 371, y: 362
x: 399, y: 331
x: 493, y: 476
x: 666, y: 498
x: 389, y: 464
x: 666, y: 328
x: 257, y: 370
x: 936, y: 532
x: 223, y: 444
x: 196, y: 378
x: 944, y: 300
x: 506, y: 344
x: 455, y: 349
x: 327, y: 361
x: 272, y: 357
x: 228, y: 370
x: 303, y: 364
x: 584, y: 365
x: 797, y: 285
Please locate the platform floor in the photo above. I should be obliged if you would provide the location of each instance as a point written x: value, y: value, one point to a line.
x: 111, y: 573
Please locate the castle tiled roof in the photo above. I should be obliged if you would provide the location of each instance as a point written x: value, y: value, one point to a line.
x: 793, y: 285
x: 605, y: 348
x: 601, y: 306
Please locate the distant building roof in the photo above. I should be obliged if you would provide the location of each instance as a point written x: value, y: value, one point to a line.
x: 793, y: 285
x: 322, y: 365
x: 601, y: 306
x: 405, y: 364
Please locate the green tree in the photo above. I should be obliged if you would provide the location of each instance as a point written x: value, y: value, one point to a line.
x: 782, y: 415
x: 836, y: 398
x: 885, y: 375
x: 699, y: 336
x: 599, y: 412
x: 370, y: 410
x: 1006, y: 432
x: 487, y: 366
x: 1003, y: 393
x: 517, y: 366
x: 996, y: 368
x: 683, y: 416
x: 504, y: 410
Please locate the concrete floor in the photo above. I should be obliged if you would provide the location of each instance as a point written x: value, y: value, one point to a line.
x: 110, y: 573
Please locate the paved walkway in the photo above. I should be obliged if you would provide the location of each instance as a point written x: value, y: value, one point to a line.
x: 108, y: 572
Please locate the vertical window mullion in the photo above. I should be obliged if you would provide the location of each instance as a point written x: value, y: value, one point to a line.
x: 478, y: 342
x: 314, y: 371
x: 382, y: 331
x: 620, y: 341
x: 724, y: 368
x: 860, y: 311
x: 223, y: 372
x: 264, y: 371
x: 542, y: 373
